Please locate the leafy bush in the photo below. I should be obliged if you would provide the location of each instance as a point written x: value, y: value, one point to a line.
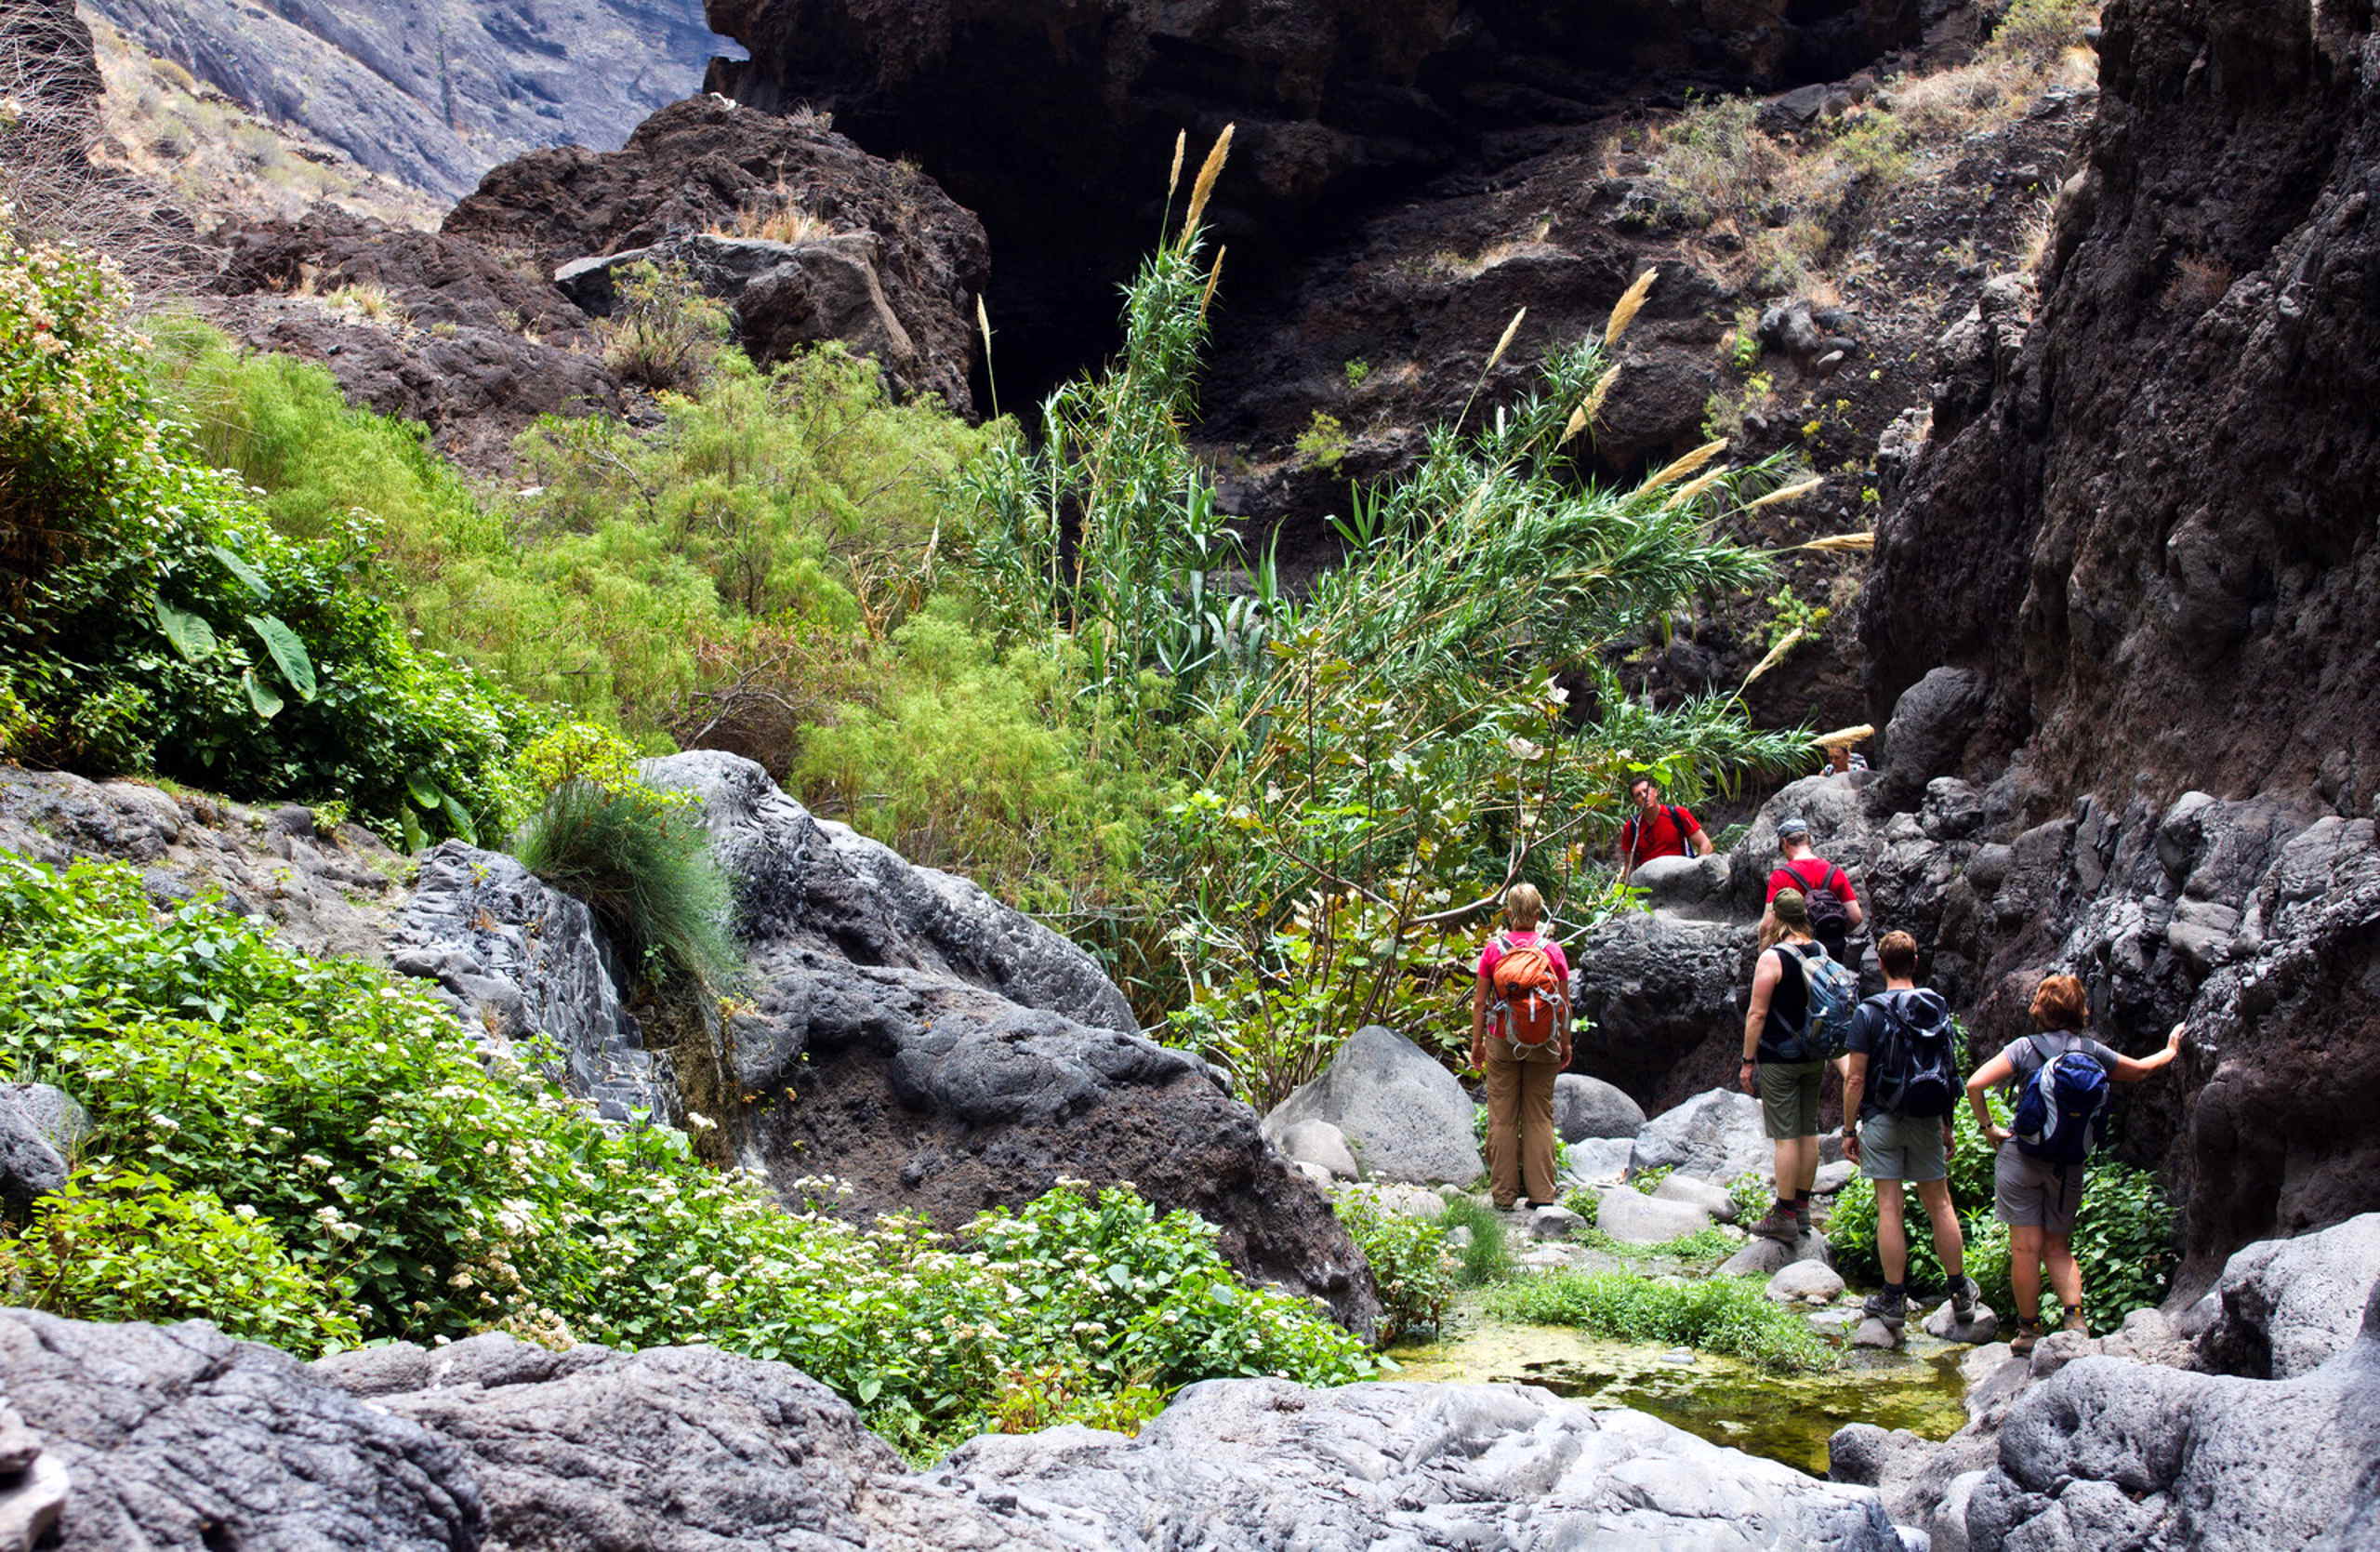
x: 2038, y: 30
x: 349, y: 1114
x: 1586, y: 1202
x: 1411, y: 1266
x: 152, y: 620
x: 1721, y: 1315
x: 1487, y: 1254
x: 2124, y: 1232
x: 663, y: 333
x: 1703, y: 1244
x: 122, y: 1244
x: 639, y: 858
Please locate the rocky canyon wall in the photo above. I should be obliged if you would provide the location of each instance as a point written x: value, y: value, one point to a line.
x: 2131, y: 588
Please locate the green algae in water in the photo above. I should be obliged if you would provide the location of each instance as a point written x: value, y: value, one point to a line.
x: 1786, y: 1418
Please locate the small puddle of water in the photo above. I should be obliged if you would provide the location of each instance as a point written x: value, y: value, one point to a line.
x: 1785, y: 1417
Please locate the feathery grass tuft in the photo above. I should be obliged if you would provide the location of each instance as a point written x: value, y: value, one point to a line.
x: 1685, y: 494
x: 1843, y: 544
x: 1779, y: 497
x: 1624, y: 310
x: 1214, y: 278
x: 1205, y: 185
x: 1683, y: 467
x: 1844, y: 738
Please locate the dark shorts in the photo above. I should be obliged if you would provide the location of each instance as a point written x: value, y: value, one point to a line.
x: 2031, y: 1193
x: 1789, y: 1097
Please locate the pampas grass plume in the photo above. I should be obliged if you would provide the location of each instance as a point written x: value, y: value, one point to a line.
x: 1624, y: 312
x: 1208, y: 172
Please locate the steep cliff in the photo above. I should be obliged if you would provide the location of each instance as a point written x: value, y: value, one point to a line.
x: 2137, y: 557
x: 436, y: 91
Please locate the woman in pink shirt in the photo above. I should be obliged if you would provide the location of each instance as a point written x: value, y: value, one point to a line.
x: 1520, y: 1041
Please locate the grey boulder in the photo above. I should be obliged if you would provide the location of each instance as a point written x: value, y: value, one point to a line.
x: 1403, y: 1113
x: 1634, y: 1218
x: 1264, y: 1463
x: 1715, y: 1134
x: 29, y: 1166
x: 1805, y: 1283
x: 1981, y: 1326
x: 178, y: 1437
x: 1319, y: 1142
x: 1585, y: 1107
x: 2285, y: 1307
x: 1597, y: 1161
x: 1709, y: 1195
x: 1766, y: 1257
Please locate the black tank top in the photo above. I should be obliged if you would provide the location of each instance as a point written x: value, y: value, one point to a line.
x: 1789, y: 1004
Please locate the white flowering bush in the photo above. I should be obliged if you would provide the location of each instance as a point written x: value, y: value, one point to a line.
x: 339, y: 1111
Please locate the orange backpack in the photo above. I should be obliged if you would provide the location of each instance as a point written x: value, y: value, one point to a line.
x: 1528, y: 996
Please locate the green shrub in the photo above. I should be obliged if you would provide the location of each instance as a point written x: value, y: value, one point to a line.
x: 663, y: 333
x: 1411, y: 1266
x: 2038, y: 30
x: 151, y: 620
x: 346, y: 1111
x: 1586, y: 1202
x: 1732, y: 1316
x: 1703, y: 1244
x: 122, y: 1244
x: 639, y: 858
x: 1487, y: 1256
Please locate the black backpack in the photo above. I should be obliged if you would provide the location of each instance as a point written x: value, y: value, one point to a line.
x: 1830, y: 919
x: 1914, y: 1071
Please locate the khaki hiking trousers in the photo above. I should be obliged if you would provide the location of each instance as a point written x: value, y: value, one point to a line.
x: 1520, y: 1127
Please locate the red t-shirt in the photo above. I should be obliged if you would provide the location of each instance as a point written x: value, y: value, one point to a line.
x: 1663, y: 835
x: 1490, y: 954
x: 1816, y: 872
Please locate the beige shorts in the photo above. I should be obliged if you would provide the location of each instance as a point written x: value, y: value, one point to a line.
x: 1789, y: 1097
x: 2033, y: 1193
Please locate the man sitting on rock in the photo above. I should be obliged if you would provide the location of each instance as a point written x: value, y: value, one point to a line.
x: 1658, y: 830
x: 1835, y: 906
x: 1901, y: 1087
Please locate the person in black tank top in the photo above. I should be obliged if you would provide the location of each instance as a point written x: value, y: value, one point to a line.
x: 1780, y: 1066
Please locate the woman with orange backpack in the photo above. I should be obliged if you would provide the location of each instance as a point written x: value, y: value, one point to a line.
x: 1520, y: 1041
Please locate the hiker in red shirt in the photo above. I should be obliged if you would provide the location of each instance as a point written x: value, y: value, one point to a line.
x: 1658, y: 830
x: 1520, y: 1041
x: 1833, y: 904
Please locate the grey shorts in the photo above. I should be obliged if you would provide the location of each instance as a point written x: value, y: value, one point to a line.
x: 2033, y: 1193
x: 1902, y: 1147
x: 1789, y: 1097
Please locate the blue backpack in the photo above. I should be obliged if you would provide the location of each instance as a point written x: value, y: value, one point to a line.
x: 1832, y: 990
x: 2062, y: 1110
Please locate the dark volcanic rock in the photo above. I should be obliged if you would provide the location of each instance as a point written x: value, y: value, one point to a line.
x: 694, y: 166
x: 2144, y: 530
x: 1334, y: 101
x: 940, y: 1051
x: 476, y: 344
x: 178, y: 1437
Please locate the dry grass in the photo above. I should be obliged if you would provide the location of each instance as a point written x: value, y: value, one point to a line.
x: 783, y: 218
x: 213, y: 157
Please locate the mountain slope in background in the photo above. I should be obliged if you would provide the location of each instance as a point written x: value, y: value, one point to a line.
x: 435, y: 92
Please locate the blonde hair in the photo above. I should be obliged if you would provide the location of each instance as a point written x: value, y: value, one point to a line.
x: 2061, y: 1004
x: 1524, y: 907
x: 1788, y: 916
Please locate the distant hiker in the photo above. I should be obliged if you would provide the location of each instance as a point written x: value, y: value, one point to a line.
x: 2058, y: 1079
x: 1801, y: 1006
x: 1900, y: 1088
x: 1520, y: 1041
x: 1833, y: 905
x: 1658, y: 830
x: 1841, y: 760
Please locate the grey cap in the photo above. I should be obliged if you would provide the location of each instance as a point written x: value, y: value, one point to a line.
x: 1788, y: 829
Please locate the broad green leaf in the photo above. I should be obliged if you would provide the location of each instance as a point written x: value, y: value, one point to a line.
x: 191, y: 636
x: 416, y: 839
x: 460, y: 818
x: 250, y: 576
x: 268, y: 705
x: 289, y: 652
x: 425, y: 791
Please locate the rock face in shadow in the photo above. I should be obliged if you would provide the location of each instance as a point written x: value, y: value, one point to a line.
x: 692, y: 167
x: 1335, y: 102
x: 942, y: 1053
x: 2149, y: 535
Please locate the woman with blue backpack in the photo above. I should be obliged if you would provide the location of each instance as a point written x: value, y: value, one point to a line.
x: 2059, y: 1079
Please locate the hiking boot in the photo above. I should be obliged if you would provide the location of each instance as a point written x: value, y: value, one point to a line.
x: 2029, y: 1335
x: 2074, y: 1320
x: 1782, y: 1225
x: 1964, y: 1293
x: 1889, y: 1305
